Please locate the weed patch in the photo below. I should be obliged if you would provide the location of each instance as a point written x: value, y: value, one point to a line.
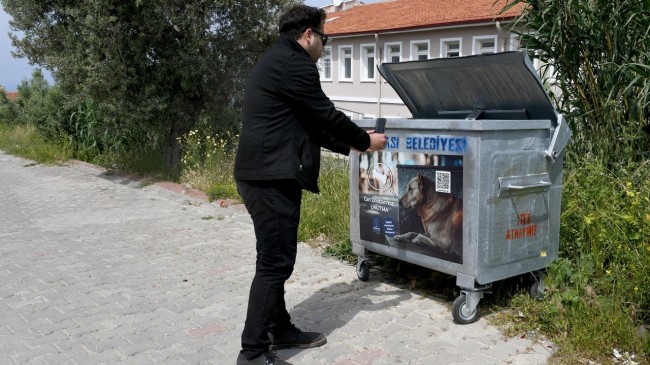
x: 25, y: 141
x: 328, y: 213
x: 208, y: 163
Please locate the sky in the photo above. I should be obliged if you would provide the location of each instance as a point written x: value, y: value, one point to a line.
x: 14, y: 70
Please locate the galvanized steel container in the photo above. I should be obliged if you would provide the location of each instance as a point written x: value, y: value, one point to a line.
x: 472, y: 184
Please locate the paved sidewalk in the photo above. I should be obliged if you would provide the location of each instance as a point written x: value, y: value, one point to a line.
x: 98, y: 269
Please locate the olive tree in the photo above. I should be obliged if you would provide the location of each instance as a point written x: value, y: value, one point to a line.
x: 159, y: 65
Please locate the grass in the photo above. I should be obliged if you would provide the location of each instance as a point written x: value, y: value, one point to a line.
x: 24, y: 141
x: 325, y: 217
x: 149, y: 163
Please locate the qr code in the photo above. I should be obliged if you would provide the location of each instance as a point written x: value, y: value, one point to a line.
x: 443, y: 181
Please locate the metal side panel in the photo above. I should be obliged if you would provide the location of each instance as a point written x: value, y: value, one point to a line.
x: 517, y: 193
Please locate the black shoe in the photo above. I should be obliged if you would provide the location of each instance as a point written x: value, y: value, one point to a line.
x: 295, y: 338
x: 268, y: 358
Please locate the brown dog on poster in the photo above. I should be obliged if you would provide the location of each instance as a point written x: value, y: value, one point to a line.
x: 441, y: 214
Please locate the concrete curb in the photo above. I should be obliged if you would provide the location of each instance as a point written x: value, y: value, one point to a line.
x: 168, y: 185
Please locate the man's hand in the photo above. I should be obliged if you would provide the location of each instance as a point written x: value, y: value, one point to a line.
x: 377, y: 141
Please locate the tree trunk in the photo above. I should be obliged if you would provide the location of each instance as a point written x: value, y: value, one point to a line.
x: 173, y: 153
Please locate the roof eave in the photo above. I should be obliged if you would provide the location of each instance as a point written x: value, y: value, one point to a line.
x: 426, y: 27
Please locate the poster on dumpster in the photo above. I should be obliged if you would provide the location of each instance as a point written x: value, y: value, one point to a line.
x: 413, y: 202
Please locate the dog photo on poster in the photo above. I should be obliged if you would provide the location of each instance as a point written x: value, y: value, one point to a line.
x: 413, y: 202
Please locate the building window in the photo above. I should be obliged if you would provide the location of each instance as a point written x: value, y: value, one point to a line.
x: 325, y: 64
x: 345, y: 63
x: 485, y: 45
x: 419, y: 50
x: 393, y: 52
x: 450, y: 47
x: 368, y: 62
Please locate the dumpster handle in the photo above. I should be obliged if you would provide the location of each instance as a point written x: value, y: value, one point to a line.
x: 561, y: 136
x: 541, y: 184
x: 516, y: 184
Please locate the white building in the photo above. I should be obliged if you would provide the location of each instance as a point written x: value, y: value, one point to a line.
x: 362, y: 36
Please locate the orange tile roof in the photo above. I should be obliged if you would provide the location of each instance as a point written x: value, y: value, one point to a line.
x: 412, y: 14
x: 11, y: 95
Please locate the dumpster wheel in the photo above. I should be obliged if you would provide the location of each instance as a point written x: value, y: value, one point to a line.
x: 461, y: 312
x: 363, y: 269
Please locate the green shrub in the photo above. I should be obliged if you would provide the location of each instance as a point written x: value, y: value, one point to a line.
x: 114, y: 144
x: 223, y: 191
x: 8, y: 109
x: 606, y: 227
x: 42, y: 106
x: 208, y: 162
x: 606, y: 234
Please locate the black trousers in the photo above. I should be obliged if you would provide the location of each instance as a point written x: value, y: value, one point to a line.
x: 274, y: 206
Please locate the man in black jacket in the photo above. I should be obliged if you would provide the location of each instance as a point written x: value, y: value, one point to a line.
x: 287, y: 119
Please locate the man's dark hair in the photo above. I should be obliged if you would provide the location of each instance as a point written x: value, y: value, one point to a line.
x: 300, y: 17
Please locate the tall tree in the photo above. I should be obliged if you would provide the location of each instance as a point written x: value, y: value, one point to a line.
x: 153, y: 64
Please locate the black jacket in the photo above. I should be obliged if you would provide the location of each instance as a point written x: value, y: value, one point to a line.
x: 288, y: 117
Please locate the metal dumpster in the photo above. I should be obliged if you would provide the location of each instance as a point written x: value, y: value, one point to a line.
x: 471, y: 185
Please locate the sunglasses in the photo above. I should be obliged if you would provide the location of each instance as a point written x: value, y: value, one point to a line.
x: 323, y: 36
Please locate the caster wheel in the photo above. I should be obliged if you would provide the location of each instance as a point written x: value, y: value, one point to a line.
x: 462, y: 314
x: 363, y: 270
x: 536, y: 291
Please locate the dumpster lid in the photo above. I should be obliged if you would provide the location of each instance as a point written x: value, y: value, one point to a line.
x: 492, y: 86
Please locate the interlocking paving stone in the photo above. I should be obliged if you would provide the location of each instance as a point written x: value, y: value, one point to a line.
x: 98, y: 268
